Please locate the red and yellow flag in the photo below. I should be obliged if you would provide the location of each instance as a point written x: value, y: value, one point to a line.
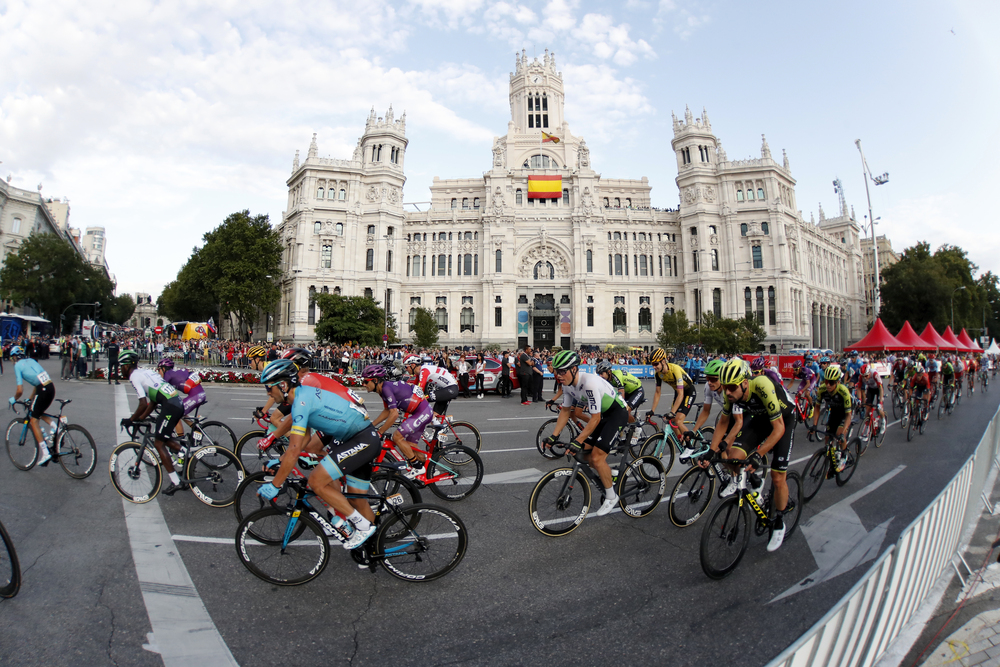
x: 544, y: 187
x: 549, y: 137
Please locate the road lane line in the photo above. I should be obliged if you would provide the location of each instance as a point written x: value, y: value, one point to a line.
x: 207, y: 540
x: 516, y: 449
x: 183, y: 631
x: 501, y: 432
x: 508, y: 419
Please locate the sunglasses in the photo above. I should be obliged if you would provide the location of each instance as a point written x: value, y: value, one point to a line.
x: 832, y: 382
x: 731, y: 387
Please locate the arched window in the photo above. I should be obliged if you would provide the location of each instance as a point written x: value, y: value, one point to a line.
x: 312, y: 305
x: 772, y: 314
x: 413, y: 317
x: 715, y: 260
x: 645, y: 320
x: 760, y: 305
x: 454, y: 203
x: 539, y: 161
x: 618, y: 265
x: 475, y: 203
x: 743, y: 229
x: 739, y: 195
x: 764, y: 228
x: 467, y: 265
x: 619, y: 319
x: 465, y: 202
x: 565, y: 197
x: 368, y: 293
x: 618, y: 202
x: 748, y: 302
x: 441, y: 315
x: 606, y: 203
x: 440, y: 264
x: 467, y: 320
x: 694, y: 231
x: 518, y: 197
x: 643, y: 270
x: 371, y: 229
x: 370, y: 260
x: 590, y: 261
x: 15, y: 227
x: 343, y: 194
x: 336, y: 290
x: 320, y: 193
x: 749, y: 193
x: 545, y: 271
x: 326, y: 290
x: 760, y: 194
x: 340, y: 229
x: 468, y: 236
x: 317, y: 227
x: 499, y: 268
x: 618, y: 236
x: 416, y: 266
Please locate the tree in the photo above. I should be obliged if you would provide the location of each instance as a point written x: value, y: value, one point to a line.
x: 345, y: 319
x: 119, y: 309
x: 425, y: 328
x: 673, y: 330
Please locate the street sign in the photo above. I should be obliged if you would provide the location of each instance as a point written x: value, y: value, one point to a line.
x: 385, y: 338
x: 158, y: 330
x: 270, y: 337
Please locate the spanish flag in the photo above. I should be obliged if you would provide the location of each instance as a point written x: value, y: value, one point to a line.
x: 549, y: 137
x: 544, y: 187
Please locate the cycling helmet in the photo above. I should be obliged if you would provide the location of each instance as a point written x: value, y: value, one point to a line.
x: 833, y: 373
x: 807, y: 357
x: 565, y: 359
x: 797, y: 365
x: 299, y: 356
x: 735, y: 372
x: 166, y: 363
x: 659, y: 354
x: 854, y: 353
x: 128, y: 358
x: 921, y: 369
x: 278, y: 370
x: 603, y: 367
x: 256, y: 351
x: 17, y: 351
x: 824, y: 360
x: 374, y: 372
x: 921, y: 358
x: 758, y: 364
x: 714, y: 367
x: 411, y: 360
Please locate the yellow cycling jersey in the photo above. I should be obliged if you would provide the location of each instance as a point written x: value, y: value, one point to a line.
x: 674, y: 375
x: 839, y: 396
x: 761, y: 398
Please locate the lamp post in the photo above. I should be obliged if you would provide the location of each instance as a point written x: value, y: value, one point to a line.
x: 877, y: 180
x: 957, y: 289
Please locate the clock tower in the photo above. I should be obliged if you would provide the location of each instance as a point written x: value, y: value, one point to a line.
x: 536, y: 96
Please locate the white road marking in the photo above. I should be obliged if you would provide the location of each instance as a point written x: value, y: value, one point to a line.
x: 507, y: 419
x: 515, y: 449
x: 501, y: 432
x: 183, y: 632
x: 207, y: 540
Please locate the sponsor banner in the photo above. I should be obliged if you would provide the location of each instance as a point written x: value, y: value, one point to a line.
x: 638, y: 371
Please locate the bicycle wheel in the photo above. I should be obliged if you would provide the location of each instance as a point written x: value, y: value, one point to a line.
x: 643, y: 431
x: 923, y: 420
x: 247, y: 501
x: 793, y: 510
x: 460, y: 433
x: 459, y: 472
x: 943, y: 405
x: 77, y: 452
x: 302, y: 558
x: 559, y: 502
x: 853, y: 457
x: 421, y: 542
x: 814, y: 474
x: 640, y: 487
x: 137, y: 481
x: 545, y: 430
x: 215, y: 433
x: 882, y: 428
x: 214, y: 474
x: 691, y: 496
x: 21, y: 446
x: 10, y: 569
x: 865, y: 434
x: 667, y: 454
x: 724, y: 539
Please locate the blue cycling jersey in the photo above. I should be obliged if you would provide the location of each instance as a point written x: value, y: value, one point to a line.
x: 30, y: 371
x: 323, y: 404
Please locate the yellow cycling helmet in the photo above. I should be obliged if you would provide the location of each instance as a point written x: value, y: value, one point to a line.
x: 734, y: 372
x: 256, y: 351
x: 833, y: 373
x: 659, y: 354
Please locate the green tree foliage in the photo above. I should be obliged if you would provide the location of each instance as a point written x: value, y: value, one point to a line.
x: 425, y: 328
x: 922, y: 287
x: 673, y: 330
x: 727, y: 336
x: 119, y: 310
x: 228, y: 275
x: 46, y: 273
x: 354, y: 319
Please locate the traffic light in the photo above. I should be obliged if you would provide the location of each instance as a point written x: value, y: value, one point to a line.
x: 97, y: 311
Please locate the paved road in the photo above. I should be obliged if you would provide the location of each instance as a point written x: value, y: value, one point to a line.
x: 616, y: 589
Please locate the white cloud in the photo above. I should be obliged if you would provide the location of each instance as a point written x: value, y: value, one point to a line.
x: 683, y: 20
x: 610, y: 41
x: 602, y: 106
x: 559, y: 15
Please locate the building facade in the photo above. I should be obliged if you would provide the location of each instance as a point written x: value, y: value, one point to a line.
x: 498, y: 264
x: 886, y: 258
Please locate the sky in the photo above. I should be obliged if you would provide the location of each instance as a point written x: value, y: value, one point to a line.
x: 158, y: 119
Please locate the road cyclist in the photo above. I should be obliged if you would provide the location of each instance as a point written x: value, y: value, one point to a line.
x: 43, y: 391
x: 258, y: 357
x: 836, y: 394
x: 628, y: 386
x: 187, y: 383
x: 874, y: 394
x: 684, y: 389
x: 400, y: 398
x: 434, y: 382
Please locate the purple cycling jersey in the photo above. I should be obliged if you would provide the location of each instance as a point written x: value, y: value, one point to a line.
x: 808, y: 377
x: 399, y: 395
x: 189, y: 384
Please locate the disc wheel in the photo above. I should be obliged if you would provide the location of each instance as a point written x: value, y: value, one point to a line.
x: 21, y: 446
x: 420, y: 543
x: 559, y: 502
x: 137, y: 481
x: 724, y: 539
x: 77, y: 451
x: 640, y: 487
x: 691, y: 496
x: 305, y: 553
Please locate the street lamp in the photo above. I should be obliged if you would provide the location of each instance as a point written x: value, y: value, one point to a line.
x: 877, y: 180
x: 953, y: 306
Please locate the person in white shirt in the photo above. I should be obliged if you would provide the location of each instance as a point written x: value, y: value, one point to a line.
x: 463, y: 375
x: 480, y: 375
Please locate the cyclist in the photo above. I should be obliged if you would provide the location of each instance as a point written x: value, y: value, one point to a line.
x: 258, y: 357
x: 959, y: 365
x: 920, y: 386
x: 30, y: 371
x: 853, y: 368
x: 836, y: 393
x: 767, y: 427
x: 759, y: 367
x: 398, y: 396
x: 155, y: 392
x: 628, y: 385
x: 713, y: 394
x: 434, y: 382
x: 971, y: 367
x: 871, y: 382
x: 326, y: 405
x: 187, y: 382
x: 810, y: 362
x: 899, y: 370
x: 608, y: 415
x: 808, y: 378
x: 684, y: 390
x: 933, y: 374
x: 948, y: 374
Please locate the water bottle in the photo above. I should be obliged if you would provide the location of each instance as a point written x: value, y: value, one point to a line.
x: 342, y: 529
x: 756, y: 484
x: 635, y: 435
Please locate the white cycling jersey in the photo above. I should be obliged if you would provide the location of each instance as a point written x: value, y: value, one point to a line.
x: 717, y: 397
x: 592, y: 391
x: 434, y: 376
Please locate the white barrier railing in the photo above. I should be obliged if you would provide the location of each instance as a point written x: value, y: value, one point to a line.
x: 859, y: 628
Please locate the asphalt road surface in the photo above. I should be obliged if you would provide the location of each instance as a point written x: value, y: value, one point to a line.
x: 108, y: 582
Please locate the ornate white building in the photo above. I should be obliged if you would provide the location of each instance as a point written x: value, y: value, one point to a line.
x: 499, y: 266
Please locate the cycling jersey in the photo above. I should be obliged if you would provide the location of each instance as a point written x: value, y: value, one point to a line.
x: 674, y: 375
x: 622, y: 380
x: 920, y: 381
x: 873, y: 381
x: 947, y: 370
x: 762, y: 397
x: 593, y: 390
x: 933, y: 366
x: 436, y: 376
x: 149, y: 385
x: 772, y: 374
x: 190, y: 384
x: 808, y: 377
x: 324, y: 404
x: 718, y: 397
x: 959, y: 368
x: 839, y: 397
x: 30, y: 371
x: 399, y: 395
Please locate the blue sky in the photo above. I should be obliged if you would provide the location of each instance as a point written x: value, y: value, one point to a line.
x: 157, y: 120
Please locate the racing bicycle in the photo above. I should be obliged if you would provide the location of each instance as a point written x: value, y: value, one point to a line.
x: 823, y: 464
x: 72, y: 445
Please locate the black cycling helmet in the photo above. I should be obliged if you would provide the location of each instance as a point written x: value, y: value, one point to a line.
x: 299, y: 356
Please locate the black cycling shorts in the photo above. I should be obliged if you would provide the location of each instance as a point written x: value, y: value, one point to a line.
x: 635, y: 399
x: 606, y: 435
x: 170, y: 413
x: 871, y: 395
x: 757, y: 430
x: 441, y: 397
x: 689, y: 395
x: 354, y: 456
x: 41, y: 400
x: 836, y: 418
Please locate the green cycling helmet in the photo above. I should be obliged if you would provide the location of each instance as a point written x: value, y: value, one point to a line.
x: 565, y: 359
x: 735, y: 371
x: 128, y: 358
x: 714, y: 367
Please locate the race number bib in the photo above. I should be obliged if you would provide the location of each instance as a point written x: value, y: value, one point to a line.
x: 43, y: 378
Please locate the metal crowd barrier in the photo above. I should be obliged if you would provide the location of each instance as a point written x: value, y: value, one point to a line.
x: 863, y: 624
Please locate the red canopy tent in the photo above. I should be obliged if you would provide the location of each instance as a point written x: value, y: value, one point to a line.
x: 910, y: 340
x: 931, y: 336
x: 949, y: 336
x: 966, y: 340
x: 878, y: 339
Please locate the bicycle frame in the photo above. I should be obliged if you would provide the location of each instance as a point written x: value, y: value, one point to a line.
x: 389, y: 449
